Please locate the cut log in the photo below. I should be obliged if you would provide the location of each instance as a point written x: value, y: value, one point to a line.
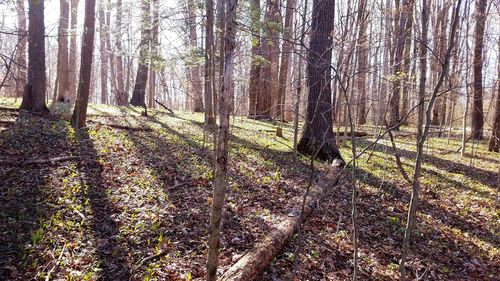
x: 164, y: 106
x: 253, y: 263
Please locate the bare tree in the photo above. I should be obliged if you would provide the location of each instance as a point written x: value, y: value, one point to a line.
x: 103, y: 49
x: 285, y: 58
x: 194, y: 69
x: 72, y: 76
x: 402, y: 34
x: 477, y: 102
x: 494, y: 143
x: 78, y: 119
x: 34, y: 92
x: 253, y: 88
x: 141, y: 80
x: 121, y: 95
x: 21, y: 48
x: 317, y: 136
x: 222, y: 153
x: 209, y: 64
x: 411, y: 220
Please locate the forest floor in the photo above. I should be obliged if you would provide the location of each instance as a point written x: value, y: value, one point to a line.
x: 132, y: 202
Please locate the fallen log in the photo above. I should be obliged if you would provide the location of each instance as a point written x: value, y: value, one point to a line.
x: 253, y: 263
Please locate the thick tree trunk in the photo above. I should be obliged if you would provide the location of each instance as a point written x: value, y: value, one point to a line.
x: 221, y: 161
x: 141, y: 80
x: 34, y: 92
x: 477, y: 103
x: 317, y: 137
x: 209, y: 65
x: 285, y: 58
x: 72, y: 76
x: 253, y: 87
x: 103, y: 34
x: 21, y: 48
x: 80, y: 111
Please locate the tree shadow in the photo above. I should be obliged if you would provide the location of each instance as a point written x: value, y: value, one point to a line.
x: 436, y: 211
x: 487, y: 178
x: 27, y: 199
x: 112, y: 256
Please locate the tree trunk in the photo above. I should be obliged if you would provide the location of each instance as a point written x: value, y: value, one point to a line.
x: 494, y: 144
x: 121, y: 95
x: 155, y: 59
x: 268, y: 70
x: 317, y: 137
x: 103, y: 34
x: 194, y: 69
x: 21, y: 48
x: 253, y: 87
x: 209, y: 65
x: 73, y: 51
x: 34, y: 92
x: 477, y: 103
x: 80, y: 111
x: 221, y: 162
x: 402, y: 35
x: 62, y: 53
x: 141, y: 80
x: 414, y: 201
x: 285, y: 58
x: 406, y: 77
x: 362, y: 62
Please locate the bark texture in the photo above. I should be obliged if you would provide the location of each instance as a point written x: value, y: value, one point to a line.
x: 78, y: 119
x: 494, y: 144
x: 141, y: 80
x: 221, y: 161
x: 21, y: 48
x: 317, y: 136
x: 477, y: 102
x: 34, y: 92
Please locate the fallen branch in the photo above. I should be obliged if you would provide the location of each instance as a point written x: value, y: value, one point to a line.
x: 121, y: 127
x: 256, y: 260
x: 40, y: 161
x: 164, y: 106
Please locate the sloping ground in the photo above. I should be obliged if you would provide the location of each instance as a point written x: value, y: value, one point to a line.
x: 134, y: 203
x: 457, y: 235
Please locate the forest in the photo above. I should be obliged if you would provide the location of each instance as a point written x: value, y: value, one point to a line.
x: 249, y: 140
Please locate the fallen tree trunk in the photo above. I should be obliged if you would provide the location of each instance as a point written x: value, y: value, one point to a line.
x: 253, y: 263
